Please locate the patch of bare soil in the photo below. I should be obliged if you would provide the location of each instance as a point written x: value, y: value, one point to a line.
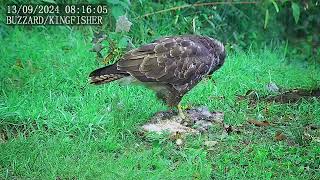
x: 294, y: 95
x: 289, y: 96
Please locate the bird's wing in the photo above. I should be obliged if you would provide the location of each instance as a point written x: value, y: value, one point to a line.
x: 169, y: 60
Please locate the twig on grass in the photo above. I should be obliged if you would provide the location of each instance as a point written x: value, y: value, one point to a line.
x: 195, y: 5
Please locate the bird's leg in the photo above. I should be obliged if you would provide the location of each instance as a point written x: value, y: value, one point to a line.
x: 184, y: 117
x: 180, y: 111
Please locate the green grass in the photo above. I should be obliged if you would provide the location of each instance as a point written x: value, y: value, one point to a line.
x: 59, y: 126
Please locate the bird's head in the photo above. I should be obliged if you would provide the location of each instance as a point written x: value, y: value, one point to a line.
x: 218, y: 53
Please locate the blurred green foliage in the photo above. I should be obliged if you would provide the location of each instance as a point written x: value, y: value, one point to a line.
x: 239, y: 24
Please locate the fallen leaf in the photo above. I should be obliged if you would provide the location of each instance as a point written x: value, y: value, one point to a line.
x: 279, y: 136
x: 259, y: 123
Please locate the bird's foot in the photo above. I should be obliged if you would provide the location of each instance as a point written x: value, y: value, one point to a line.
x: 185, y: 119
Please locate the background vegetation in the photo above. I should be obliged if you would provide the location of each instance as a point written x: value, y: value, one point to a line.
x: 53, y: 125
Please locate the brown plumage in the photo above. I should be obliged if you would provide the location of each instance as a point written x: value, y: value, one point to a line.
x: 171, y: 66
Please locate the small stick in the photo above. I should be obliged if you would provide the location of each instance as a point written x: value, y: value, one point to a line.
x: 195, y: 5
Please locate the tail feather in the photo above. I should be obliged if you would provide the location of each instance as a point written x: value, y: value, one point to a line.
x: 106, y: 74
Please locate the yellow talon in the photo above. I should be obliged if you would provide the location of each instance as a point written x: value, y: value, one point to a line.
x: 181, y: 114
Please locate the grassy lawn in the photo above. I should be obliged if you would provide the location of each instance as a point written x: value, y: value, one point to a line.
x: 54, y: 125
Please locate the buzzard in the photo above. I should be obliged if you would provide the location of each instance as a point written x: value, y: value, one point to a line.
x: 171, y: 66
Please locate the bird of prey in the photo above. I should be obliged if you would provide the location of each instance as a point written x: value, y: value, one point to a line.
x: 171, y: 66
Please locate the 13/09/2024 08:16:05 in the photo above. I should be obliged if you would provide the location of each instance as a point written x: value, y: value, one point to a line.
x: 59, y: 9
